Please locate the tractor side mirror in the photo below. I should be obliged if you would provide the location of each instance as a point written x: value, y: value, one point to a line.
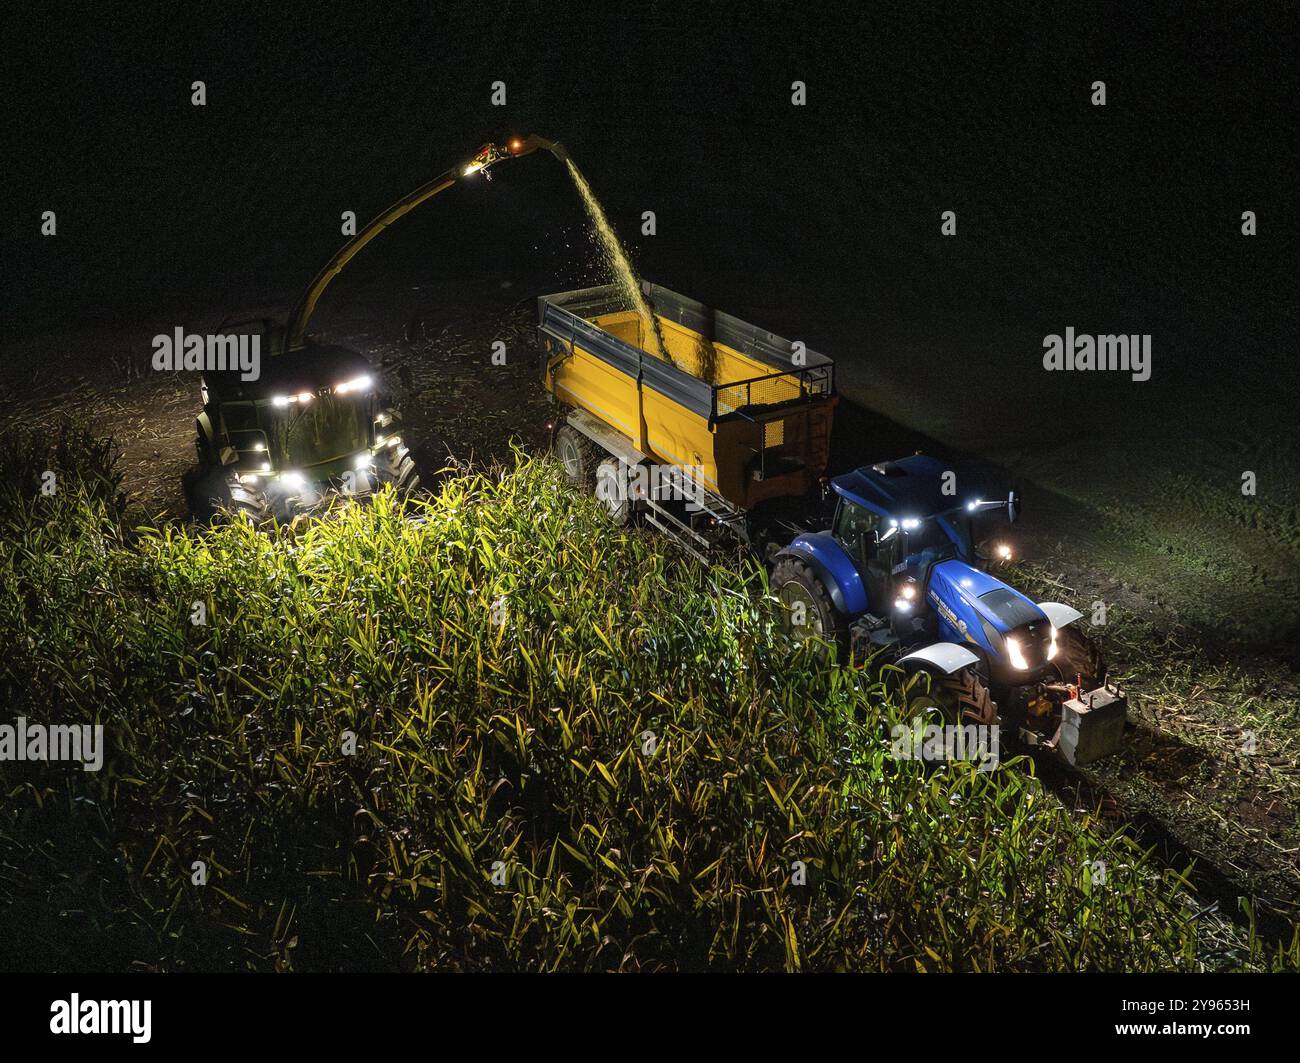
x: 1013, y: 506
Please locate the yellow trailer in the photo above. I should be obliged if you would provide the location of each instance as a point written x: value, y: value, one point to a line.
x: 731, y: 414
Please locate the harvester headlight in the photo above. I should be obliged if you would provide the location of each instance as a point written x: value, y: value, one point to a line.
x: 363, y: 461
x: 391, y: 441
x: 248, y: 478
x: 304, y: 397
x: 360, y: 383
x: 280, y: 400
x: 259, y: 446
x: 1016, y: 654
x: 907, y: 591
x: 1051, y: 646
x: 910, y: 523
x: 292, y: 479
x: 902, y: 604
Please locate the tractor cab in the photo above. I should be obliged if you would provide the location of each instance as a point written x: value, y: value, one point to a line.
x: 896, y: 521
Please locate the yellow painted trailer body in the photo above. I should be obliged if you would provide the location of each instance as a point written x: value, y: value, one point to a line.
x: 741, y: 409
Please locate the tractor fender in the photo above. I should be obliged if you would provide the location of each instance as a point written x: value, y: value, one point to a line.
x: 837, y: 573
x: 946, y: 657
x: 1059, y: 615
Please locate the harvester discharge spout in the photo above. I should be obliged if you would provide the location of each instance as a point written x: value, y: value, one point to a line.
x: 488, y: 155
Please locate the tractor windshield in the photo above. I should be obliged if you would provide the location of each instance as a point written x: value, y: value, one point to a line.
x: 941, y: 536
x: 325, y: 428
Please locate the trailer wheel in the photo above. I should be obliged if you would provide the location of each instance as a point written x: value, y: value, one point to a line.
x: 963, y: 698
x: 1076, y: 655
x: 808, y: 608
x: 612, y: 491
x: 578, y: 455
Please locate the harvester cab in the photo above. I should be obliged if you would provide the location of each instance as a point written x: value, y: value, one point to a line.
x: 312, y: 426
x: 899, y: 573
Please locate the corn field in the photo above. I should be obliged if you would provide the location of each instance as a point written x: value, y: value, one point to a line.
x: 484, y: 732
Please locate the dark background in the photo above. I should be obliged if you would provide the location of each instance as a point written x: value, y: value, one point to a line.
x: 1124, y: 217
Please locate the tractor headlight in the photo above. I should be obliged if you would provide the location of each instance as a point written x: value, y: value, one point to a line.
x: 1016, y: 654
x: 1003, y: 552
x: 1051, y: 646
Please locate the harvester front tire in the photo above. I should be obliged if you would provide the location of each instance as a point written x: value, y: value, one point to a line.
x: 398, y: 469
x: 578, y: 455
x: 797, y: 585
x: 214, y: 499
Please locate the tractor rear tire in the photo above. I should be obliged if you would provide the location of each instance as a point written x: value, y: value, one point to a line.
x: 578, y: 455
x: 796, y: 584
x: 963, y: 698
x: 1078, y: 655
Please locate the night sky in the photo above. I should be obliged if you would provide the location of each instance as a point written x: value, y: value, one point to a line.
x: 820, y: 220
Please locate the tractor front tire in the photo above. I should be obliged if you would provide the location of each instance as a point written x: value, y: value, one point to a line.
x: 963, y: 698
x: 1078, y: 655
x: 808, y: 607
x: 578, y: 455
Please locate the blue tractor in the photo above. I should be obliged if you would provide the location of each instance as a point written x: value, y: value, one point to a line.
x: 900, y: 573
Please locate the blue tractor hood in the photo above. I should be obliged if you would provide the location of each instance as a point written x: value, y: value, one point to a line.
x: 967, y: 599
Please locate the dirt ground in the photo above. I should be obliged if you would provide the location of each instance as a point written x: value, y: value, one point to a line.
x: 1189, y: 781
